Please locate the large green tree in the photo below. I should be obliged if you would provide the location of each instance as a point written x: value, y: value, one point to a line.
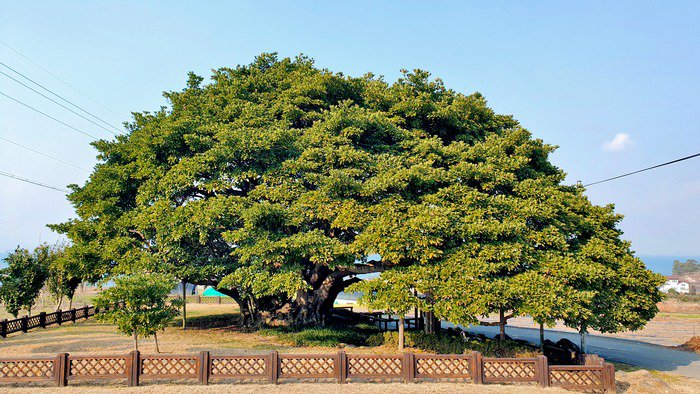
x: 278, y: 179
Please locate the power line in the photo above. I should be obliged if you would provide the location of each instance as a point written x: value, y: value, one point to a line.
x: 62, y: 80
x: 56, y: 102
x: 19, y: 178
x: 43, y: 154
x: 49, y: 116
x: 644, y: 169
x: 59, y: 96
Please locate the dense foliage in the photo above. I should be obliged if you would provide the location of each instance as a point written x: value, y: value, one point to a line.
x: 277, y: 180
x: 689, y: 267
x: 450, y: 344
x: 22, y: 280
x: 47, y: 267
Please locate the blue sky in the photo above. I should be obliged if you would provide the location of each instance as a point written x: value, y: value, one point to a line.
x: 615, y: 86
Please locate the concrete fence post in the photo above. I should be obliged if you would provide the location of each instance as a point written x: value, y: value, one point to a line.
x: 204, y: 367
x: 24, y: 323
x: 133, y: 368
x: 42, y: 319
x: 609, y: 378
x: 3, y: 328
x: 273, y: 367
x: 61, y: 369
x: 543, y: 368
x: 340, y: 366
x: 477, y: 368
x: 409, y: 367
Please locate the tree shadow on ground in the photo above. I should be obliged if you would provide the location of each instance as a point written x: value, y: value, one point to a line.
x: 229, y: 321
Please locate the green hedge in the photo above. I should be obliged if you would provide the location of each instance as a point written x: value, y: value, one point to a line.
x: 449, y: 344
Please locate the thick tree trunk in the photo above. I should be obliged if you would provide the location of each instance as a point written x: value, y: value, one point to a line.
x: 314, y: 307
x: 311, y: 307
x: 243, y: 306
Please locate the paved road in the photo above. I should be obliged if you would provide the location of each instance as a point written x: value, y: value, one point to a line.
x: 645, y: 355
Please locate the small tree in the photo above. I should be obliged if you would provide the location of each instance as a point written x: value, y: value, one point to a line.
x: 392, y: 292
x: 22, y: 280
x: 144, y: 308
x: 62, y: 278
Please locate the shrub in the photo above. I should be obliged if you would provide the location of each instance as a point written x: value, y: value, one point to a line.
x: 448, y: 344
x: 330, y: 337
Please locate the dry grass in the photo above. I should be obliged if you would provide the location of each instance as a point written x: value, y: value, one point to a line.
x: 45, y: 304
x: 295, y: 388
x: 212, y: 327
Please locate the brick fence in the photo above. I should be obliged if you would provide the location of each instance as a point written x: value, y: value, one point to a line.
x: 275, y: 368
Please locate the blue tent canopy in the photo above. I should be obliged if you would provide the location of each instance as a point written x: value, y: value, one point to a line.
x: 212, y: 292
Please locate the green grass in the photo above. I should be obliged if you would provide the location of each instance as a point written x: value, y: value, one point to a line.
x: 681, y: 315
x: 625, y: 367
x: 328, y: 337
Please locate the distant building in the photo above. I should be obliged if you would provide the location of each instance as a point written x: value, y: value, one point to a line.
x: 679, y: 284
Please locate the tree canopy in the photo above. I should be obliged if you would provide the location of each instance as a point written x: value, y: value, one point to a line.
x: 22, y: 280
x: 278, y: 180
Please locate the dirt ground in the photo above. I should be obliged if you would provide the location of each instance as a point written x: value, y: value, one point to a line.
x: 296, y: 388
x: 633, y: 382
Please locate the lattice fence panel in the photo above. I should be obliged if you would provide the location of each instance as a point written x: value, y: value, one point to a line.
x: 500, y: 370
x: 307, y: 366
x: 154, y: 366
x: 14, y: 325
x: 88, y: 367
x: 374, y: 366
x: 51, y: 318
x: 26, y: 369
x: 66, y: 315
x: 238, y: 366
x: 442, y: 367
x: 79, y: 313
x: 585, y: 378
x: 33, y: 322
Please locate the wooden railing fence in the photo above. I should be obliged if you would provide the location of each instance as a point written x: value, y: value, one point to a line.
x: 275, y: 368
x: 44, y: 319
